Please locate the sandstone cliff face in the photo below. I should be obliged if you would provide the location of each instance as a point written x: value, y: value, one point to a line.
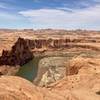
x: 19, y: 54
x: 47, y: 43
x: 60, y: 43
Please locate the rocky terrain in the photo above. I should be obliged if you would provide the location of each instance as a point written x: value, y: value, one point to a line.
x: 83, y: 85
x: 50, y: 69
x: 47, y: 39
x: 9, y: 70
x: 68, y: 70
x: 19, y: 54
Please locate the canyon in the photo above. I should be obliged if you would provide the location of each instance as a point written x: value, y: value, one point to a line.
x: 68, y: 67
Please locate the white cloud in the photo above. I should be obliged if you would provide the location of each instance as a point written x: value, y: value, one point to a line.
x: 61, y: 17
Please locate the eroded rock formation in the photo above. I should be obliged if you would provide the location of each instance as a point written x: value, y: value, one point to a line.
x: 50, y: 70
x: 80, y: 65
x: 19, y: 54
x: 75, y: 87
x: 16, y: 88
x: 9, y: 70
x: 47, y: 43
x: 24, y: 90
x: 59, y: 43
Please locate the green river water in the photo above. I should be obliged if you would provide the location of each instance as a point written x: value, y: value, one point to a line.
x: 30, y: 69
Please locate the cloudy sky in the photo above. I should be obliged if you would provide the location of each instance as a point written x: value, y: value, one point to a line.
x: 64, y: 14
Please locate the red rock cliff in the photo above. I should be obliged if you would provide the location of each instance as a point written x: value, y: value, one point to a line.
x: 19, y: 54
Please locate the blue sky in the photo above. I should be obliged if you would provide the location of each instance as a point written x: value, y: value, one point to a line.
x: 36, y: 14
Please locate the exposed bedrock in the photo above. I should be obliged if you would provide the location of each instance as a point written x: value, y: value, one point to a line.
x: 19, y: 54
x: 47, y: 43
x: 9, y: 70
x: 80, y: 65
x: 50, y: 43
x: 50, y: 69
x: 16, y: 88
x: 25, y: 90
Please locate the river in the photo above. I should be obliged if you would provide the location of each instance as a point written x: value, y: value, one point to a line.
x: 30, y: 69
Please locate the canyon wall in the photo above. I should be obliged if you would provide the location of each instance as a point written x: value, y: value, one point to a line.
x: 68, y: 43
x: 18, y: 55
x: 47, y: 43
x: 22, y: 50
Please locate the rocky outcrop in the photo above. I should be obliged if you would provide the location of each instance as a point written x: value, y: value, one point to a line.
x: 76, y: 87
x: 50, y: 70
x: 16, y: 88
x: 24, y: 90
x: 82, y: 87
x: 19, y: 54
x: 81, y: 65
x: 9, y: 70
x: 47, y: 43
x: 65, y: 43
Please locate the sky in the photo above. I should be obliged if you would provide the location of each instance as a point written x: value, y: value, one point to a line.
x: 56, y: 14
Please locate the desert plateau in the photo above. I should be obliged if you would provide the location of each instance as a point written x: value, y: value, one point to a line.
x: 49, y: 64
x: 49, y: 49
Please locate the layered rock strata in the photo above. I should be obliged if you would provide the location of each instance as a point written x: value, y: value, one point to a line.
x: 19, y: 54
x: 65, y: 43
